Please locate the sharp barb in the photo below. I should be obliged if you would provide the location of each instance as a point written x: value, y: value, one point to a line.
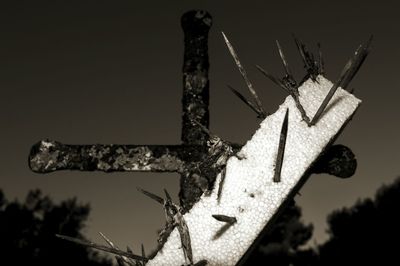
x: 272, y: 78
x: 308, y: 59
x: 300, y: 48
x: 151, y: 195
x: 281, y: 148
x: 321, y: 63
x: 109, y: 242
x: 101, y: 247
x: 202, y: 127
x: 224, y: 218
x: 244, y: 75
x: 185, y: 238
x: 118, y: 258
x: 169, y: 199
x: 348, y: 69
x: 247, y: 102
x: 357, y: 60
x: 284, y: 62
x: 221, y: 183
x: 143, y: 252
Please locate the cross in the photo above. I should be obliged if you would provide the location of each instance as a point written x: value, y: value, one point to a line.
x: 189, y: 158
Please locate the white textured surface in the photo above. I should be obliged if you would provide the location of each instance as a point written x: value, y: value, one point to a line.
x: 254, y: 175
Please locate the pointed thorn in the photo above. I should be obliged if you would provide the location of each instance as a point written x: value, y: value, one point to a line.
x: 221, y: 183
x: 310, y: 64
x: 349, y: 70
x: 101, y: 247
x: 284, y: 62
x: 273, y: 79
x: 169, y: 199
x: 321, y: 63
x: 224, y: 218
x: 281, y: 148
x: 151, y: 195
x: 202, y: 127
x: 244, y: 75
x: 109, y: 242
x: 357, y: 60
x: 300, y: 48
x: 247, y: 102
x: 184, y: 234
x: 143, y: 252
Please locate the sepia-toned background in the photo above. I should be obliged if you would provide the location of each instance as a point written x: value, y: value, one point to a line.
x: 84, y: 72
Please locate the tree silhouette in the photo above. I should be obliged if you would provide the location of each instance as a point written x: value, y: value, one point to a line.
x: 366, y: 233
x: 27, y: 232
x: 281, y: 244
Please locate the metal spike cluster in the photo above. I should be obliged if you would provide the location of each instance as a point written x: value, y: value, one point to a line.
x: 349, y: 71
x: 310, y: 63
x: 112, y: 250
x: 314, y: 68
x: 174, y: 218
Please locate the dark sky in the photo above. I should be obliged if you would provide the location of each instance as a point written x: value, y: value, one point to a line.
x: 85, y: 72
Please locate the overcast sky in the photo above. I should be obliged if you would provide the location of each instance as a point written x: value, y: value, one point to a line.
x: 84, y: 72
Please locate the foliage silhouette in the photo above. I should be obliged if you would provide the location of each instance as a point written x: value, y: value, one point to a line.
x: 363, y: 234
x: 281, y: 244
x: 27, y: 232
x: 366, y: 233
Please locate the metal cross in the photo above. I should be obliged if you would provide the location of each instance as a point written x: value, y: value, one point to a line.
x: 189, y: 158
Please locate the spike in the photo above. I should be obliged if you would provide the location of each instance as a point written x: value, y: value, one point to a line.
x: 321, y: 63
x: 284, y: 62
x: 349, y: 69
x: 272, y: 78
x: 143, y: 252
x: 244, y: 75
x: 247, y: 102
x: 202, y: 127
x: 109, y: 242
x: 281, y: 148
x: 184, y: 234
x: 169, y: 199
x: 120, y: 259
x: 224, y: 218
x: 221, y: 183
x: 300, y: 48
x: 308, y: 59
x: 357, y: 60
x: 101, y: 247
x: 151, y: 195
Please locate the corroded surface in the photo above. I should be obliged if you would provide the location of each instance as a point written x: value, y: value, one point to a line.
x: 48, y: 156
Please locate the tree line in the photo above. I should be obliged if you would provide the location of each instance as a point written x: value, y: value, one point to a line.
x: 362, y: 234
